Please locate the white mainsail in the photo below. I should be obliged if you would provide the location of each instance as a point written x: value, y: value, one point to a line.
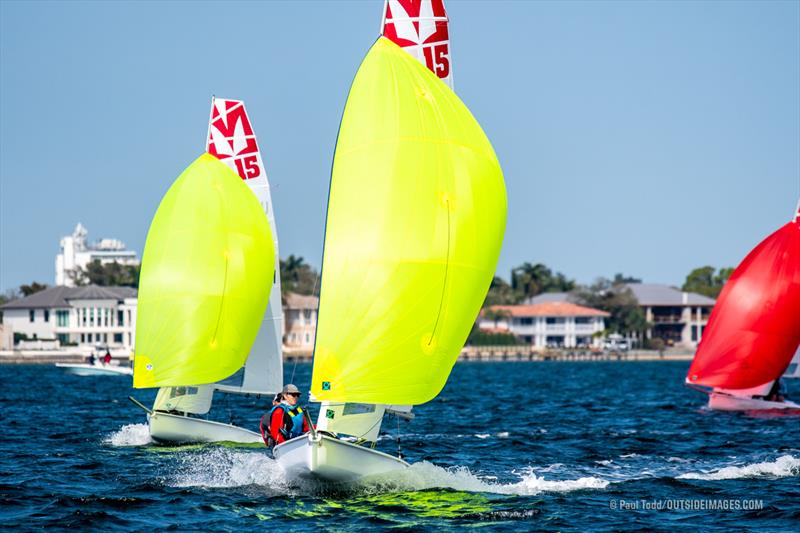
x: 232, y: 140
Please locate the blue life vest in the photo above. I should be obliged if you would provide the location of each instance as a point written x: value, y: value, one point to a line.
x: 296, y: 418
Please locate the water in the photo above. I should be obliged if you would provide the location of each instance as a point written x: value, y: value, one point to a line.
x: 506, y: 446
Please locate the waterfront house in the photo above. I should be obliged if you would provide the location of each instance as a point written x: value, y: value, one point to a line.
x: 88, y: 316
x: 300, y: 321
x: 677, y: 316
x: 553, y: 324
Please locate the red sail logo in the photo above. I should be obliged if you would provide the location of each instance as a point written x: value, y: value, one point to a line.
x: 231, y: 138
x: 420, y: 26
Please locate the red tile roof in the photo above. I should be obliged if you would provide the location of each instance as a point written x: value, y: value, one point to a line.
x: 550, y: 309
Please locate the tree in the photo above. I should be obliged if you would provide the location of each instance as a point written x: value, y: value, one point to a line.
x: 530, y: 280
x: 706, y: 280
x: 33, y: 288
x: 618, y: 300
x: 501, y: 293
x: 111, y: 274
x: 297, y: 276
x: 496, y: 315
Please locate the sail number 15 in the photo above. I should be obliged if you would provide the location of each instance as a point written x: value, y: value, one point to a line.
x: 437, y: 59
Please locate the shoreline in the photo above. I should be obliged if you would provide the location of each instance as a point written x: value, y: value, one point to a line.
x: 468, y: 354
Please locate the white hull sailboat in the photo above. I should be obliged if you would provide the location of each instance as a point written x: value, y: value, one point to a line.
x: 415, y: 222
x: 176, y: 428
x: 319, y: 456
x: 175, y: 416
x: 207, y: 271
x: 97, y: 369
x: 721, y: 401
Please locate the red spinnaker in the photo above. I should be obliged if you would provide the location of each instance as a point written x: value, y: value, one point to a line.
x: 754, y: 328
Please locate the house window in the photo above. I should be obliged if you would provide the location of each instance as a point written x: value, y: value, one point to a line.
x: 62, y: 318
x: 63, y: 338
x: 583, y: 320
x: 32, y: 315
x: 118, y: 338
x: 526, y: 321
x: 47, y: 315
x: 120, y: 318
x: 694, y: 333
x: 555, y: 320
x: 83, y: 337
x: 308, y: 339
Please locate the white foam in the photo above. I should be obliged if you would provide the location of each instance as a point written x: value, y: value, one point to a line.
x: 130, y: 435
x: 223, y: 467
x: 425, y: 475
x: 783, y: 466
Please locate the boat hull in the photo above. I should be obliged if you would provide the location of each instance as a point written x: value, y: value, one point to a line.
x: 326, y: 458
x: 727, y: 402
x: 82, y: 369
x: 169, y: 428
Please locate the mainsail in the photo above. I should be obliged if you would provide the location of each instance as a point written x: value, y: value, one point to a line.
x: 420, y: 27
x: 754, y: 328
x: 206, y: 275
x: 415, y: 223
x: 232, y: 140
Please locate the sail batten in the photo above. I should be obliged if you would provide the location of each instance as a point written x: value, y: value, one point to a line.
x: 415, y: 222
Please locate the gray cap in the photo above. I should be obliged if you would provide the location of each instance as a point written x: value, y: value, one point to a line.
x: 288, y: 389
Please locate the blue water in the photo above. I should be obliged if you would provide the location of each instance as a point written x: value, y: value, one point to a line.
x: 506, y: 446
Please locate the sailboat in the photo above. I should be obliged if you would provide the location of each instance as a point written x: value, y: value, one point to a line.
x: 794, y: 367
x: 754, y: 329
x: 174, y: 416
x: 415, y: 223
x: 207, y: 270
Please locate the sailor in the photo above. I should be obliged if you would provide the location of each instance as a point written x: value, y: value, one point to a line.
x: 92, y: 359
x: 107, y: 358
x: 287, y: 419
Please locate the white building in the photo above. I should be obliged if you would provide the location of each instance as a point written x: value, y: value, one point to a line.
x: 76, y: 253
x: 86, y: 316
x: 548, y: 324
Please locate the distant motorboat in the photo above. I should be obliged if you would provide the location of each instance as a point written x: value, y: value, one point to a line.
x: 754, y: 329
x: 96, y: 369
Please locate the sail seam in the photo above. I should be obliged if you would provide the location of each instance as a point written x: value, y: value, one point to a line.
x: 222, y: 301
x: 446, y: 269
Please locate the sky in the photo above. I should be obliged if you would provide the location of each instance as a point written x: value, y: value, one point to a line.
x: 647, y: 138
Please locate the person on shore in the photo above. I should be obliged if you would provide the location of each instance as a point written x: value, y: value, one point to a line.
x: 287, y: 419
x: 92, y: 359
x: 107, y: 358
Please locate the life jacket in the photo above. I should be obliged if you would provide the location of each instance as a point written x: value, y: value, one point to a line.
x: 293, y: 427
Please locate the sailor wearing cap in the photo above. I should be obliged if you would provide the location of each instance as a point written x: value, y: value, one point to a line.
x: 287, y: 419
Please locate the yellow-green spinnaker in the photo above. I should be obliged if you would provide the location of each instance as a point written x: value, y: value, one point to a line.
x: 415, y: 223
x: 206, y: 274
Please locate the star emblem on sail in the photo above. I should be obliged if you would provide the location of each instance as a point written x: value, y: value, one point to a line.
x: 417, y: 22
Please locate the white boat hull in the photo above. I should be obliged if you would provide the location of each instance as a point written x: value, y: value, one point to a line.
x: 330, y: 459
x: 178, y: 429
x: 728, y: 402
x: 83, y: 369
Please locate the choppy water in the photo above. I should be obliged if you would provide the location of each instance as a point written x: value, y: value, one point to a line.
x: 506, y: 446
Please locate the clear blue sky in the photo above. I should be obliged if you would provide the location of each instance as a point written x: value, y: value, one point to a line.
x: 638, y: 137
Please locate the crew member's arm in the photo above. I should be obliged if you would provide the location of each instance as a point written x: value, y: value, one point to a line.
x: 275, y: 425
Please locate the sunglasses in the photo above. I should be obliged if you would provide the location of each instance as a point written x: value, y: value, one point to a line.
x: 295, y: 394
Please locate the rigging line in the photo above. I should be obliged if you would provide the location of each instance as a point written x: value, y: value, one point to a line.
x: 222, y: 300
x: 371, y: 427
x: 444, y: 283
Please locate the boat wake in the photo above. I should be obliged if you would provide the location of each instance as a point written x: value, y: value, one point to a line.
x: 130, y: 435
x: 226, y: 468
x: 784, y: 466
